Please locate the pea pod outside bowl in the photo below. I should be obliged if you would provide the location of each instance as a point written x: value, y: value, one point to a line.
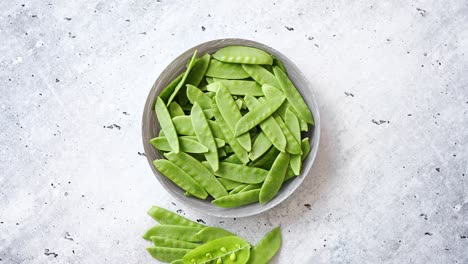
x: 151, y: 128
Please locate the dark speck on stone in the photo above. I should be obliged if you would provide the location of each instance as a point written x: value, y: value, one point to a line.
x: 428, y: 234
x: 17, y: 223
x: 47, y: 252
x: 349, y: 94
x: 409, y: 114
x: 142, y: 33
x: 127, y: 20
x: 179, y: 211
x: 203, y: 28
x: 173, y: 203
x: 68, y: 236
x: 221, y: 222
x: 67, y: 18
x: 289, y: 28
x: 125, y: 113
x: 379, y: 122
x: 462, y: 237
x: 308, y: 206
x: 57, y: 80
x: 421, y: 11
x: 200, y: 221
x: 141, y: 153
x: 437, y: 169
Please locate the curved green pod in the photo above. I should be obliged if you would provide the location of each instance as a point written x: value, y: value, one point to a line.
x: 243, y: 54
x: 184, y: 233
x: 238, y: 199
x: 230, y: 249
x: 167, y: 254
x: 166, y: 242
x: 241, y: 173
x: 205, y: 136
x: 210, y: 233
x: 266, y: 248
x: 218, y: 69
x: 184, y: 77
x: 275, y: 178
x: 198, y: 71
x: 167, y: 126
x: 260, y: 75
x: 186, y: 145
x: 237, y: 87
x: 166, y: 217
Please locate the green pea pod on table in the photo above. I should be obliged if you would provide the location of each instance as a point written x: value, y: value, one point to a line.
x: 167, y: 254
x: 230, y: 250
x: 210, y: 233
x: 166, y: 217
x: 166, y: 242
x: 266, y: 248
x: 184, y: 233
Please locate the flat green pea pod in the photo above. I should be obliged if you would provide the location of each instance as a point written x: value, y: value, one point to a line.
x: 169, y: 89
x: 198, y: 172
x: 292, y: 146
x: 205, y: 136
x: 184, y: 77
x: 243, y: 54
x: 240, y: 152
x: 289, y: 174
x: 198, y: 71
x: 233, y: 159
x: 275, y: 178
x: 184, y: 233
x: 196, y: 95
x: 229, y: 184
x: 266, y: 248
x: 219, y: 142
x: 179, y: 261
x: 251, y: 187
x: 238, y: 199
x: 266, y: 160
x: 180, y: 177
x: 167, y: 126
x: 305, y: 145
x: 293, y: 96
x: 231, y: 114
x: 260, y: 75
x: 167, y: 254
x: 260, y: 146
x: 240, y: 173
x: 279, y: 63
x: 210, y: 233
x: 237, y: 87
x: 292, y: 122
x: 230, y: 249
x: 175, y: 109
x: 259, y: 113
x: 269, y: 126
x: 186, y: 145
x: 223, y: 70
x: 237, y: 189
x: 172, y: 243
x: 166, y: 217
x: 183, y: 126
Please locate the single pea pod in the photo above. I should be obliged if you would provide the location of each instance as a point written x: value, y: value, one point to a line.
x: 224, y: 70
x: 275, y: 178
x: 175, y: 109
x: 172, y: 243
x: 169, y: 89
x: 180, y: 177
x: 260, y: 75
x: 210, y: 233
x: 229, y: 184
x: 293, y: 96
x: 166, y: 217
x: 205, y: 136
x: 266, y: 160
x: 292, y: 122
x: 231, y: 250
x: 305, y: 145
x: 238, y: 199
x: 186, y: 145
x: 233, y: 159
x: 250, y: 187
x: 243, y: 54
x: 266, y: 248
x: 167, y: 126
x: 260, y: 146
x: 167, y: 254
x: 184, y: 233
x: 237, y: 189
x: 183, y: 126
x: 184, y: 77
x: 289, y: 174
x: 198, y: 71
x: 240, y: 173
x: 219, y: 142
x: 196, y: 95
x: 237, y: 87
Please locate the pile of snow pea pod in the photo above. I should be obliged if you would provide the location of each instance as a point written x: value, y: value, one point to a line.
x: 177, y: 240
x: 232, y: 127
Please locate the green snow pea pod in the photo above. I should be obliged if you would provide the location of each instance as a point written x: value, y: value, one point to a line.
x: 237, y: 189
x: 183, y: 126
x: 266, y: 248
x: 282, y: 112
x: 223, y: 70
x: 231, y: 114
x: 184, y: 233
x: 167, y: 254
x: 269, y: 126
x: 180, y: 177
x: 208, y: 113
x: 182, y: 97
x: 186, y: 145
x: 260, y: 146
x: 210, y: 233
x: 238, y: 199
x: 198, y: 71
x: 266, y: 160
x: 243, y: 54
x: 229, y: 184
x: 292, y: 122
x: 250, y: 187
x: 209, y: 80
x: 184, y: 77
x: 259, y: 113
x: 205, y: 136
x: 260, y: 75
x: 271, y: 91
x: 219, y: 142
x: 233, y: 159
x: 289, y: 174
x: 279, y: 63
x: 275, y: 178
x: 293, y: 96
x: 198, y: 172
x: 196, y: 95
x: 166, y: 217
x: 230, y: 249
x: 304, y: 125
x: 172, y: 243
x: 292, y: 146
x: 169, y: 89
x: 237, y: 87
x: 175, y: 109
x: 240, y: 152
x: 305, y: 145
x: 167, y: 126
x: 240, y: 173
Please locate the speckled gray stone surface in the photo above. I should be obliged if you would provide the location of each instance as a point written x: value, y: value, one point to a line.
x: 390, y: 180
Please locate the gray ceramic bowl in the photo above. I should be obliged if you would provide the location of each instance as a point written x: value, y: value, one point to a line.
x: 151, y: 129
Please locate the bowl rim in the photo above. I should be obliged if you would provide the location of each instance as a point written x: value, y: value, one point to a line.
x: 314, y: 142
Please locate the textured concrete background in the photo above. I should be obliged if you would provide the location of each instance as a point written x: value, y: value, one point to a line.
x: 390, y: 181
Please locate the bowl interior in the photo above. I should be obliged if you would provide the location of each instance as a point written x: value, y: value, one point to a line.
x: 151, y: 129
